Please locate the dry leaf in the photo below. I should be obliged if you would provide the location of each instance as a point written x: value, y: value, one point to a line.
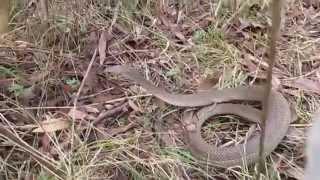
x: 77, y: 114
x: 104, y: 38
x: 52, y: 125
x: 102, y: 47
x: 91, y: 109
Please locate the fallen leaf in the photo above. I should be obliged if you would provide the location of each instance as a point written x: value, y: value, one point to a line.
x: 102, y: 46
x: 91, y: 109
x: 52, y: 125
x: 77, y: 114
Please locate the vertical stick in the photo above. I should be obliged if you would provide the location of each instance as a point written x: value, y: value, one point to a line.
x: 4, y: 15
x: 274, y: 34
x: 44, y: 10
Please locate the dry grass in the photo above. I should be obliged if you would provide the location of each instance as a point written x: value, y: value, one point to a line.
x: 43, y: 62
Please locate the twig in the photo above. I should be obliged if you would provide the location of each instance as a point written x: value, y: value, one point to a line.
x: 76, y: 100
x: 44, y: 10
x: 275, y: 30
x: 109, y: 113
x: 84, y: 78
x: 123, y: 129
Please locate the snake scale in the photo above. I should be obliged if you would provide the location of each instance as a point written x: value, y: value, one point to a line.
x: 219, y: 102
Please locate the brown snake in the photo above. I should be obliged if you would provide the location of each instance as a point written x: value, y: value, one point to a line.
x: 218, y: 102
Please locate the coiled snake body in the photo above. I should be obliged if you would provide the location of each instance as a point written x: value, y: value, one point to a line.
x: 219, y: 102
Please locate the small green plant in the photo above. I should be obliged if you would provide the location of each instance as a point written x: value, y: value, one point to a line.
x: 73, y: 83
x: 7, y: 72
x: 16, y: 89
x: 212, y: 37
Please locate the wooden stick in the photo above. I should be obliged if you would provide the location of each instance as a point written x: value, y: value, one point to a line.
x: 274, y: 34
x: 4, y: 15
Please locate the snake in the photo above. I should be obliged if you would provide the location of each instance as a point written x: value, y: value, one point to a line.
x: 215, y: 102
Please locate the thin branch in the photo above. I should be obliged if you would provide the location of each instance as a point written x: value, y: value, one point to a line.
x: 275, y: 30
x: 84, y: 79
x: 76, y: 101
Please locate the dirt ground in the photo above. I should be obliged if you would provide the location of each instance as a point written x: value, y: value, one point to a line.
x: 90, y: 124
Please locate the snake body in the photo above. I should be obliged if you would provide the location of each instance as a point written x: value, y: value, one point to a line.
x: 217, y: 102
